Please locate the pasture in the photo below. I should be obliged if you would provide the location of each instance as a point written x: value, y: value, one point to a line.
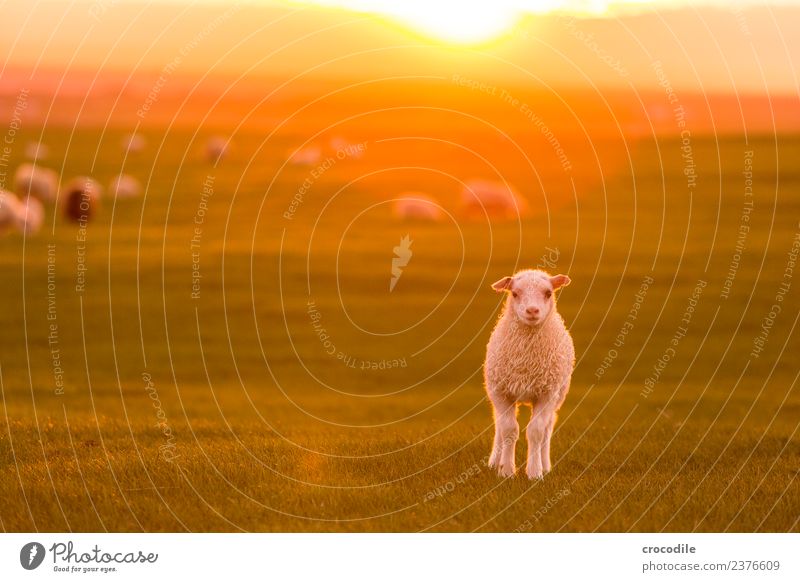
x: 225, y: 354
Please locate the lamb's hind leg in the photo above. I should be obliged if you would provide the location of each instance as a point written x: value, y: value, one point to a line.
x: 494, y: 457
x: 506, y: 433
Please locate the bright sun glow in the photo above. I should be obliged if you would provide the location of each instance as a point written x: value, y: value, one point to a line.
x: 463, y: 21
x: 461, y: 24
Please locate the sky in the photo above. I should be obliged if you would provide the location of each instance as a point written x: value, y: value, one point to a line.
x: 474, y: 21
x: 734, y: 46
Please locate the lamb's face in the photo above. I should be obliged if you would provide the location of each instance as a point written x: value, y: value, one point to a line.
x: 531, y: 295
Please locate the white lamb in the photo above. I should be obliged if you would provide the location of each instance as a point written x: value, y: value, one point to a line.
x: 529, y: 360
x: 494, y: 199
x: 416, y: 206
x: 125, y: 186
x: 34, y: 180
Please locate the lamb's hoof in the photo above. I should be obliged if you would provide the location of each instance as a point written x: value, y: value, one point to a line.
x: 535, y: 475
x: 506, y: 471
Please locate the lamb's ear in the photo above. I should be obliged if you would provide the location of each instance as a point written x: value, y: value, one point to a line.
x: 503, y: 284
x: 560, y: 281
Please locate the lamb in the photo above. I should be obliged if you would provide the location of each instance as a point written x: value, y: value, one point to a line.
x: 125, y: 186
x: 34, y: 180
x: 416, y: 206
x: 80, y: 198
x: 480, y: 198
x: 529, y: 360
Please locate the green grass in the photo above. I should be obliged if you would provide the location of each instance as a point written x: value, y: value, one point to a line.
x: 268, y: 432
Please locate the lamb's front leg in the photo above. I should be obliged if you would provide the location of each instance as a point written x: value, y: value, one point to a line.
x: 548, y: 434
x: 551, y: 411
x: 505, y: 437
x: 539, y: 430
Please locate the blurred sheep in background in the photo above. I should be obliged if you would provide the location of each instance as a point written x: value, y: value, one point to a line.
x: 494, y: 199
x: 37, y: 181
x: 307, y: 156
x: 416, y: 206
x: 80, y: 199
x: 125, y: 186
x: 216, y: 149
x: 36, y: 151
x: 133, y: 143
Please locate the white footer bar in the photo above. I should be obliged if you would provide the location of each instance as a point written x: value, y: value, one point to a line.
x: 400, y: 557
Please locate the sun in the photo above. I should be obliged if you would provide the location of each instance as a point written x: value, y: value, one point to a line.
x: 468, y: 21
x: 458, y: 22
x: 455, y: 21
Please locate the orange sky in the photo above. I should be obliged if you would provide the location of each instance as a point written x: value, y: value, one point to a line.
x: 754, y: 50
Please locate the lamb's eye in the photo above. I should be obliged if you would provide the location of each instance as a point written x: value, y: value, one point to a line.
x: 547, y: 294
x: 514, y: 294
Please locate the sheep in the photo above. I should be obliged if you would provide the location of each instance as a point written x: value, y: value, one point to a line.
x: 34, y: 180
x: 305, y: 156
x: 133, y: 143
x: 9, y: 212
x: 36, y: 151
x: 25, y: 215
x: 529, y: 360
x: 495, y: 199
x: 216, y: 149
x: 30, y: 215
x: 125, y: 186
x: 416, y: 206
x: 80, y: 199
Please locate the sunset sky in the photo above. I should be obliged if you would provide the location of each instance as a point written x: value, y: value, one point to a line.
x: 743, y: 46
x: 476, y: 21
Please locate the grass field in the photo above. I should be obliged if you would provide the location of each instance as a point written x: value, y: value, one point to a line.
x: 225, y: 411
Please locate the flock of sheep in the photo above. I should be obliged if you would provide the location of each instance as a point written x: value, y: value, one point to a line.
x: 478, y: 199
x: 34, y: 185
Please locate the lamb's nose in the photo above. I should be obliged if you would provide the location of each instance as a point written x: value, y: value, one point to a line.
x: 532, y: 311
